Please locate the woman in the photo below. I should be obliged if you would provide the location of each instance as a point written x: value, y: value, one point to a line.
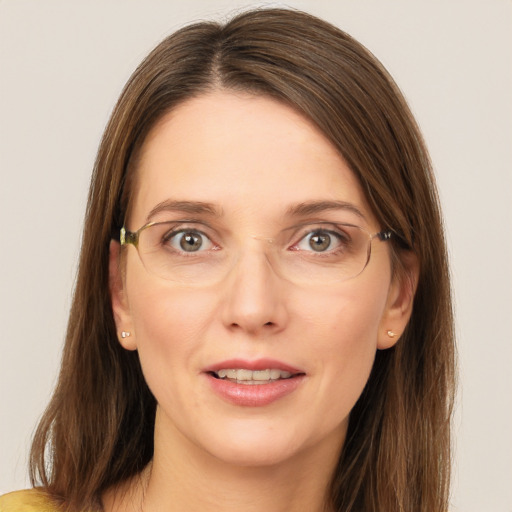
x: 280, y: 334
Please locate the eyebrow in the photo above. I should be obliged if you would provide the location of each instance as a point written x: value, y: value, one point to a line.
x: 297, y: 210
x: 313, y: 207
x: 195, y: 207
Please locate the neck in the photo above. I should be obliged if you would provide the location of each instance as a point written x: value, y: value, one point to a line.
x: 184, y: 477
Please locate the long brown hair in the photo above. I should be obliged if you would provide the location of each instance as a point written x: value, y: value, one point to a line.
x: 98, y: 428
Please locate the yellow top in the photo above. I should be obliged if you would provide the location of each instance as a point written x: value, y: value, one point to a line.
x: 30, y: 500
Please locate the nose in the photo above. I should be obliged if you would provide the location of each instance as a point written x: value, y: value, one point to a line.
x: 254, y: 296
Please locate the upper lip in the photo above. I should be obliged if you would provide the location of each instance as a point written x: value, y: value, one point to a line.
x: 257, y: 364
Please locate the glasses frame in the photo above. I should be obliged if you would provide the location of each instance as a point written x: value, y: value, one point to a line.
x: 127, y: 237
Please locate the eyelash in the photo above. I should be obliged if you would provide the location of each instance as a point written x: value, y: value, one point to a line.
x: 171, y: 235
x: 340, y: 237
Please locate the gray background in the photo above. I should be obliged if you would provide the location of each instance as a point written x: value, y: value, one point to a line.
x: 63, y: 64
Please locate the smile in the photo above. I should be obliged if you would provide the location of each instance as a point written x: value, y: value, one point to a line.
x: 253, y: 383
x: 251, y: 377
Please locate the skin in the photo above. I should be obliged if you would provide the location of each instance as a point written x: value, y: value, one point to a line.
x: 253, y: 158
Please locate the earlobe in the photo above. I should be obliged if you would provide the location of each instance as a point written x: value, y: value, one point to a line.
x: 399, y: 303
x: 120, y: 307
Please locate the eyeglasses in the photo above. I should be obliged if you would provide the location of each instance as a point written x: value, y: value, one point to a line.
x: 307, y: 254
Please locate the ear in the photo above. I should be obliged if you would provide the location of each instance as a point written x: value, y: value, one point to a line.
x: 120, y: 306
x: 399, y: 302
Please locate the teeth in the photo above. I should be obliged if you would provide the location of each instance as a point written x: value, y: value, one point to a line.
x: 244, y: 375
x: 230, y: 374
x: 261, y: 375
x: 241, y: 375
x: 275, y: 374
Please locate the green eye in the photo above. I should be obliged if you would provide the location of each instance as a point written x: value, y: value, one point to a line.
x: 188, y: 241
x: 319, y: 242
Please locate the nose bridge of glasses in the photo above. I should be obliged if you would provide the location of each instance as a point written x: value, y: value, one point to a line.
x: 253, y: 252
x: 256, y: 244
x: 269, y: 240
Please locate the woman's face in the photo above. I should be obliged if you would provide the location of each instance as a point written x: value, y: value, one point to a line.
x: 261, y: 169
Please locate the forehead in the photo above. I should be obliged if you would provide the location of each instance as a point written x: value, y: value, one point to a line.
x: 248, y: 155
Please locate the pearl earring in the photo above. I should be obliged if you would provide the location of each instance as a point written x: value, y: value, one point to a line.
x: 125, y: 334
x: 391, y: 334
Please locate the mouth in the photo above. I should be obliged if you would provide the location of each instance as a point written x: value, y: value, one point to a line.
x: 254, y: 383
x: 253, y: 377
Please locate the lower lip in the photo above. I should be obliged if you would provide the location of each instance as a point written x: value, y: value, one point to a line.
x: 254, y: 395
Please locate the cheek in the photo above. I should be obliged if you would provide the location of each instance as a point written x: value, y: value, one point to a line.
x: 169, y: 324
x: 349, y: 316
x: 165, y: 315
x: 343, y: 337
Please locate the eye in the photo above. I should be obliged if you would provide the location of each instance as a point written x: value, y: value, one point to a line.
x: 320, y: 240
x: 188, y: 241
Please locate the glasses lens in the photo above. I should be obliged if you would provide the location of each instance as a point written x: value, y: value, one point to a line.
x: 180, y: 254
x: 328, y: 253
x: 309, y: 255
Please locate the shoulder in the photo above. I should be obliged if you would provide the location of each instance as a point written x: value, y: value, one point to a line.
x: 30, y: 500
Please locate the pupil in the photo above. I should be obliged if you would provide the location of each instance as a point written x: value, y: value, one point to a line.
x: 190, y: 242
x: 320, y: 242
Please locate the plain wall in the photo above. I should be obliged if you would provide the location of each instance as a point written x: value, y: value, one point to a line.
x: 63, y: 64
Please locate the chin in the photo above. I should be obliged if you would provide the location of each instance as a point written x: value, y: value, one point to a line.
x: 256, y: 453
x: 258, y: 444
